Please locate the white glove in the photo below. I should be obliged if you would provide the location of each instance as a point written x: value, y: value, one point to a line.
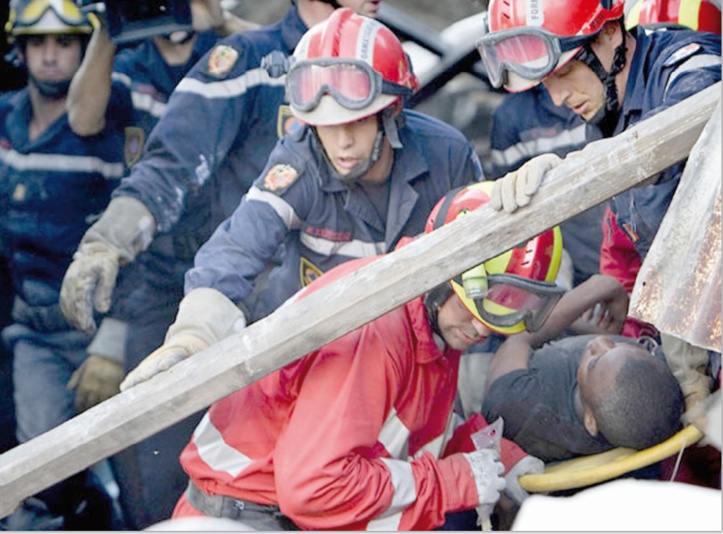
x: 516, y: 188
x: 205, y: 316
x: 488, y: 474
x: 125, y: 229
x: 529, y: 465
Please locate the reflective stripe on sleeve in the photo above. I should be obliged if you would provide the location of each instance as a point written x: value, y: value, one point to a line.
x: 230, y: 88
x: 405, y: 493
x: 282, y: 208
x: 513, y: 155
x: 214, y: 451
x: 696, y: 62
x: 61, y: 163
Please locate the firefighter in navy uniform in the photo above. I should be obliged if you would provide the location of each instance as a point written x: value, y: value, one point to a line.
x: 53, y: 183
x: 359, y: 176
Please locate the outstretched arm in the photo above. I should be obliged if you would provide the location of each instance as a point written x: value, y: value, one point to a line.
x: 515, y: 352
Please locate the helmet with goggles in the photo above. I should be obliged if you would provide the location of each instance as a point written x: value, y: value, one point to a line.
x: 526, y: 40
x: 514, y: 291
x: 347, y: 68
x: 37, y: 17
x: 700, y: 15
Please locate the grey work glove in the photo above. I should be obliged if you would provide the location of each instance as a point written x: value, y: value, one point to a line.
x: 125, y: 229
x: 205, y: 316
x: 96, y: 380
x: 528, y: 465
x: 516, y: 188
x: 488, y: 473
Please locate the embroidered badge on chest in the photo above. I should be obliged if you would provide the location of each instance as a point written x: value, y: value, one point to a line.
x: 286, y: 123
x: 221, y: 60
x: 280, y: 177
x: 309, y: 272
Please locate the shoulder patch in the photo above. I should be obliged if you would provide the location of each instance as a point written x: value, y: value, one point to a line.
x: 222, y: 60
x: 280, y: 177
x: 133, y: 148
x: 682, y: 53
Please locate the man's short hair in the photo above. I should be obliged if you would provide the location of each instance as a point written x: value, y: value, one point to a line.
x: 644, y: 407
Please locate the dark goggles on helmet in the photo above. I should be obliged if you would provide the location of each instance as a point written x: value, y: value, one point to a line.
x: 66, y: 10
x: 529, y: 52
x: 353, y: 84
x: 506, y: 300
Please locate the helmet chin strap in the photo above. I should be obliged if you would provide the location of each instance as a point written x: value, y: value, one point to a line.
x: 606, y: 117
x: 387, y: 128
x: 433, y: 300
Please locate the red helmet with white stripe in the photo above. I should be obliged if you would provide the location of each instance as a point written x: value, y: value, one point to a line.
x: 526, y: 40
x: 347, y: 68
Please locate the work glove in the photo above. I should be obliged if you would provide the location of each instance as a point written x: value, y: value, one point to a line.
x: 205, y: 316
x: 528, y: 465
x: 487, y: 470
x: 516, y: 188
x: 96, y: 380
x: 125, y: 229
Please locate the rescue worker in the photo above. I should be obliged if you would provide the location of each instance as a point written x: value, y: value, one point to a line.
x: 613, y: 78
x: 143, y: 76
x: 52, y: 184
x: 218, y: 129
x: 360, y: 175
x: 356, y: 435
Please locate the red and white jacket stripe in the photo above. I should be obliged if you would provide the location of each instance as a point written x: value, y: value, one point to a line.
x: 348, y: 437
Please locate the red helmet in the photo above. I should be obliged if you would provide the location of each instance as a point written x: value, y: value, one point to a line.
x: 515, y: 290
x: 347, y: 68
x: 701, y: 15
x: 526, y: 40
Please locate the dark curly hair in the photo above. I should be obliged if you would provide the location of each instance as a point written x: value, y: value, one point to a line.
x: 644, y: 407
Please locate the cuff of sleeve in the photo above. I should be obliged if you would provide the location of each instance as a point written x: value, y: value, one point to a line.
x: 458, y: 483
x: 110, y: 340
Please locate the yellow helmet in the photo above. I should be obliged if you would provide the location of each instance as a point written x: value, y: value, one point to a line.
x: 515, y: 290
x: 37, y: 17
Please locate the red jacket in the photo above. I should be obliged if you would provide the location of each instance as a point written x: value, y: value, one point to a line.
x: 348, y: 437
x: 620, y: 259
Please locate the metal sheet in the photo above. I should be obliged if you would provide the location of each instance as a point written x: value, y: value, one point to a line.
x: 679, y: 286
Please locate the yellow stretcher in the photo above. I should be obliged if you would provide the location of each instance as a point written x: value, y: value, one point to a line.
x: 596, y: 468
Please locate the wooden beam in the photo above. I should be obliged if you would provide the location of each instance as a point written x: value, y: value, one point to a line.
x: 604, y: 169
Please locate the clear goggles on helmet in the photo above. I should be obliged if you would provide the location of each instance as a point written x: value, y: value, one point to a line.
x: 506, y: 300
x: 353, y: 84
x: 530, y: 52
x: 66, y: 10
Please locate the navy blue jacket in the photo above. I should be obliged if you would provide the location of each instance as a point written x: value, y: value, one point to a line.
x: 667, y: 67
x: 51, y: 189
x: 323, y: 221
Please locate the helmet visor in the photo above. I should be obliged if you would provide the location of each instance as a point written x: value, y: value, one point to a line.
x: 66, y: 10
x: 531, y: 53
x: 511, y: 299
x: 353, y: 84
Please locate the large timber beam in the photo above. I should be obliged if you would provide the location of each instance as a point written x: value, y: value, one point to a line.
x: 607, y: 168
